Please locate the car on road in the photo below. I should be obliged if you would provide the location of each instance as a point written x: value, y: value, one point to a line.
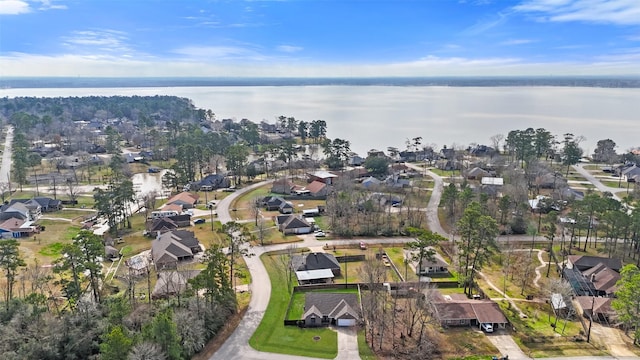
x: 199, y: 221
x: 363, y: 246
x: 319, y: 233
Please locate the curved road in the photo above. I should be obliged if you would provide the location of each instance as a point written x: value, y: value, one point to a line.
x: 237, y: 345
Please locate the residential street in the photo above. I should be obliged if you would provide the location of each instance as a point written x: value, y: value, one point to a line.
x: 237, y: 345
x: 593, y: 180
x: 5, y: 169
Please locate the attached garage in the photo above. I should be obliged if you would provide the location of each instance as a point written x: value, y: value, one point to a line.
x: 346, y: 322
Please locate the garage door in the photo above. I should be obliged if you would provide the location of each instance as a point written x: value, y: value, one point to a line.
x: 346, y: 322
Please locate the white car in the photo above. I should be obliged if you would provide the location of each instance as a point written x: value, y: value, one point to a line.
x: 319, y: 234
x: 486, y: 327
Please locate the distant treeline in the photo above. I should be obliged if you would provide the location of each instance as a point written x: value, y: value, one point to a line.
x: 29, y: 111
x: 88, y: 82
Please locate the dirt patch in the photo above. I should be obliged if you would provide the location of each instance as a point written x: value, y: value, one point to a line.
x: 613, y: 339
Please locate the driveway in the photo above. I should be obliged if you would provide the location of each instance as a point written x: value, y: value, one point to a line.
x: 506, y: 346
x: 592, y: 179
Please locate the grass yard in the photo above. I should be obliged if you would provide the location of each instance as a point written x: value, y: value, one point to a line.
x: 614, y: 184
x: 464, y: 343
x: 273, y: 336
x: 47, y: 246
x: 76, y: 215
x: 298, y: 299
x: 538, y: 338
x: 444, y: 173
x: 354, y: 270
x: 363, y: 348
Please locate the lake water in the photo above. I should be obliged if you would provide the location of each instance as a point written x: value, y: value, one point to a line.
x: 381, y: 116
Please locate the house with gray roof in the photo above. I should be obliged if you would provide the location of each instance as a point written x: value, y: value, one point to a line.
x: 172, y: 247
x: 315, y: 261
x: 293, y: 224
x: 324, y: 309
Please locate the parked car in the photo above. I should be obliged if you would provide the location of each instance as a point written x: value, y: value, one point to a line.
x: 363, y: 246
x: 199, y: 221
x: 319, y: 233
x: 488, y: 328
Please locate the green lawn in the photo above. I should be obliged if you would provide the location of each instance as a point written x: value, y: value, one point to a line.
x: 614, y: 183
x: 273, y: 336
x: 363, y: 348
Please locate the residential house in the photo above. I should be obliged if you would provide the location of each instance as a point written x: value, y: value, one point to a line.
x: 16, y: 210
x: 324, y: 309
x: 395, y: 181
x: 131, y: 158
x: 437, y: 265
x: 272, y: 203
x: 598, y: 307
x: 161, y: 225
x: 458, y: 310
x: 482, y: 150
x: 186, y: 199
x: 32, y: 206
x: 317, y: 188
x: 371, y: 182
x: 584, y: 262
x: 17, y: 227
x: 631, y: 174
x: 316, y: 261
x: 285, y: 208
x: 356, y: 160
x: 172, y: 247
x: 592, y: 275
x: 293, y: 224
x: 48, y: 204
x: 476, y: 173
x: 175, y: 207
x: 171, y: 283
x: 213, y: 181
x: 322, y: 176
x: 408, y: 156
x: 376, y: 153
x: 283, y: 186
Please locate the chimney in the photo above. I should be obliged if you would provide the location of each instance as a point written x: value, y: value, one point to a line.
x: 593, y: 277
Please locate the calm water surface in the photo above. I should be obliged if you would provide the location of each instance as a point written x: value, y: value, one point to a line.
x: 381, y: 116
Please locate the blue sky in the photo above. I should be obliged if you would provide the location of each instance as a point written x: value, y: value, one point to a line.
x: 300, y: 38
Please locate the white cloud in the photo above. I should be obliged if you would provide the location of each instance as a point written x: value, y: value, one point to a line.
x: 219, y: 53
x: 487, y: 24
x: 14, y: 7
x: 97, y: 41
x: 226, y: 64
x: 17, y: 7
x: 289, y: 48
x: 48, y: 5
x: 619, y: 12
x: 517, y: 42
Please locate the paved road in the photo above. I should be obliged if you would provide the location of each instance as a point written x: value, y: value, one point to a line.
x: 237, y: 346
x: 5, y: 169
x: 592, y: 179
